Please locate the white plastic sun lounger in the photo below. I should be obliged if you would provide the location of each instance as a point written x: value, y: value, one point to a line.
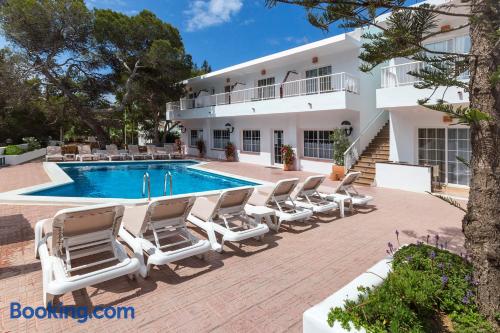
x: 225, y: 214
x: 280, y: 199
x: 307, y: 196
x: 157, y: 153
x: 346, y: 189
x: 54, y: 153
x: 85, y: 154
x: 160, y: 230
x: 78, y: 248
x: 133, y: 151
x: 112, y: 153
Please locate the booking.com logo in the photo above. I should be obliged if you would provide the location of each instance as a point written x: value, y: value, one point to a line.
x: 80, y: 313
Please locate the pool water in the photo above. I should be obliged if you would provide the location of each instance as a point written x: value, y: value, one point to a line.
x: 125, y: 180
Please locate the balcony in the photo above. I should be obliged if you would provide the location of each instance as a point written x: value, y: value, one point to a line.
x: 398, y: 75
x: 305, y: 87
x: 397, y: 87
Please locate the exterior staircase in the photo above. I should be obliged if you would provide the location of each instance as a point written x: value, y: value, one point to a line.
x: 376, y: 151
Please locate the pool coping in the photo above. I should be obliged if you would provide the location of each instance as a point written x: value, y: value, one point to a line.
x: 58, y: 177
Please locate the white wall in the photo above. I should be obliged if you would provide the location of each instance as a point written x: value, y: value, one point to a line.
x: 395, y: 97
x: 293, y: 126
x: 404, y: 131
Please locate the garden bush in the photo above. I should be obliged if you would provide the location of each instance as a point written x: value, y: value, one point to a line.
x: 429, y: 290
x: 13, y: 150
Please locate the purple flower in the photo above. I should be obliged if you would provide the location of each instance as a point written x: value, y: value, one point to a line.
x: 409, y: 258
x: 470, y: 293
x: 465, y: 300
x: 467, y: 278
x: 440, y: 265
x: 433, y: 255
x: 444, y: 280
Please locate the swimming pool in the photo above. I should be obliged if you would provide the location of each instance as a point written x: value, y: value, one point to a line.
x: 124, y: 180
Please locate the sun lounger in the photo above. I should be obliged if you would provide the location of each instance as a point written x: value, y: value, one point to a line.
x: 171, y: 149
x: 225, y: 214
x: 113, y: 154
x: 85, y: 154
x: 78, y: 248
x: 346, y: 190
x: 157, y: 153
x: 307, y: 196
x: 54, y: 153
x: 133, y: 151
x: 160, y: 230
x: 279, y: 198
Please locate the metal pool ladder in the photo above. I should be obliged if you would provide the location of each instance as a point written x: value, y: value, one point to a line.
x: 167, y: 178
x: 148, y: 179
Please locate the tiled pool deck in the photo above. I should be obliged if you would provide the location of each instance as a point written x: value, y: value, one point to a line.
x: 256, y: 287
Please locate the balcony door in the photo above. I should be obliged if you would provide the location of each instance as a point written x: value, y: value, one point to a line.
x: 278, y: 141
x: 265, y: 88
x: 227, y: 95
x: 324, y: 84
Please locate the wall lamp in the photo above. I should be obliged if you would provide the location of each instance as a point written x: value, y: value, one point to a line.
x: 347, y: 127
x: 182, y: 128
x: 229, y: 128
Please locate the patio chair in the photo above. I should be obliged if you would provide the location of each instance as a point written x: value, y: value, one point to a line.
x: 157, y: 153
x: 225, y: 214
x: 280, y: 199
x: 79, y: 248
x: 160, y: 230
x: 113, y: 154
x: 171, y: 149
x: 346, y: 190
x: 85, y: 154
x: 54, y: 153
x: 133, y: 151
x: 307, y: 196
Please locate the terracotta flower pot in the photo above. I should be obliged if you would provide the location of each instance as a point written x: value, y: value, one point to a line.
x: 337, y: 172
x: 287, y: 167
x: 230, y: 158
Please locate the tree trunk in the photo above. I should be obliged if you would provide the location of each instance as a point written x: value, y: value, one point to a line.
x: 481, y: 225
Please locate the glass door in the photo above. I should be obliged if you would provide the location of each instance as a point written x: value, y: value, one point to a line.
x: 277, y: 145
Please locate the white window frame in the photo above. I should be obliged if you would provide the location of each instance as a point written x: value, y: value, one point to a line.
x: 222, y: 131
x: 193, y: 144
x: 317, y: 149
x: 252, y: 144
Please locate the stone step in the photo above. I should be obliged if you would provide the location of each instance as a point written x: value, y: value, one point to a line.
x: 364, y: 170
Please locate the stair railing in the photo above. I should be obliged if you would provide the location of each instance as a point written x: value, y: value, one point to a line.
x: 351, y: 155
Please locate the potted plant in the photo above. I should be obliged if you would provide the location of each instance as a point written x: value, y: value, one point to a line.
x: 340, y: 143
x: 200, y: 145
x: 288, y: 157
x: 230, y: 151
x: 178, y: 145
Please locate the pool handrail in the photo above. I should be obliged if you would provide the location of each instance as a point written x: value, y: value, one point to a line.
x: 148, y: 178
x: 168, y: 176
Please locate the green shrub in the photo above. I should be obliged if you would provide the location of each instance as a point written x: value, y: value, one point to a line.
x: 32, y: 142
x: 13, y: 150
x: 426, y: 285
x: 340, y: 143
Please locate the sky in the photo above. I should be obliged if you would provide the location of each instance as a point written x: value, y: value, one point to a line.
x: 226, y: 32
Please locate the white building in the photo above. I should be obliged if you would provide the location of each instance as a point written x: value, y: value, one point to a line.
x: 298, y: 96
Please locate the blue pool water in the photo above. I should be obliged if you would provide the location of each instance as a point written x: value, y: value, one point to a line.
x: 124, y: 180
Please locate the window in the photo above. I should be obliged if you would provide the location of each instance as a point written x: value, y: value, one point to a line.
x: 317, y: 144
x: 251, y: 141
x: 194, y: 136
x: 431, y: 148
x: 220, y: 139
x: 266, y: 88
x: 458, y: 146
x: 440, y: 146
x: 323, y: 84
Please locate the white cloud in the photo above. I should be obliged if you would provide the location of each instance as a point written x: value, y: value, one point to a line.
x: 297, y: 40
x: 206, y: 13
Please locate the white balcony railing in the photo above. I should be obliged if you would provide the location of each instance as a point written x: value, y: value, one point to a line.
x: 397, y: 75
x: 310, y: 86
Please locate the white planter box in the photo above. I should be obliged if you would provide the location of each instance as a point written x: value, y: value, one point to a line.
x: 18, y: 159
x: 314, y: 320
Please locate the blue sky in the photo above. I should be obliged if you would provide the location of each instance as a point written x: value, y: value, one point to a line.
x: 226, y: 32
